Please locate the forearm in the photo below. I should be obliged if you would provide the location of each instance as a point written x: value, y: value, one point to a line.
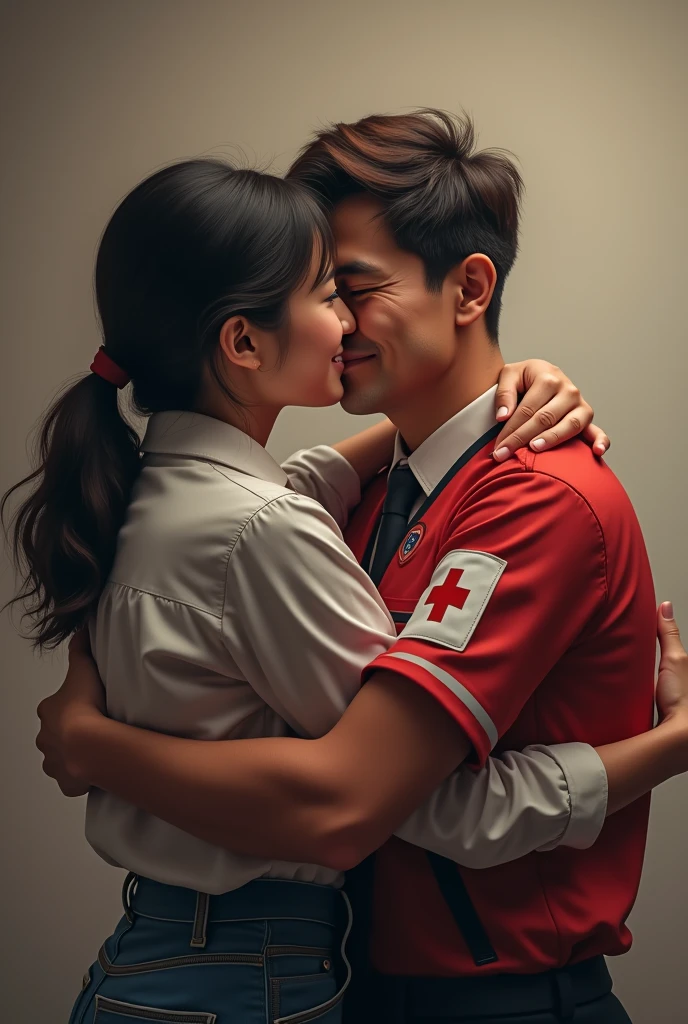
x: 264, y: 798
x: 637, y: 765
x: 369, y: 451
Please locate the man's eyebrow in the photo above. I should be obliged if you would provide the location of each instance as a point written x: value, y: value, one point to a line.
x: 357, y: 267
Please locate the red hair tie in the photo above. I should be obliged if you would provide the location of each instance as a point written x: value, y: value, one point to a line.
x: 108, y: 369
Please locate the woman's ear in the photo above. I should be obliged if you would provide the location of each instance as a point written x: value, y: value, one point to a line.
x: 476, y: 278
x: 240, y: 343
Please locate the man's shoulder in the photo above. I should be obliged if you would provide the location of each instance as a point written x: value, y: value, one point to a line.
x: 571, y: 468
x: 567, y: 486
x: 573, y: 465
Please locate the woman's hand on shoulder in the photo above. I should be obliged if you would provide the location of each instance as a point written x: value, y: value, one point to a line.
x: 551, y: 411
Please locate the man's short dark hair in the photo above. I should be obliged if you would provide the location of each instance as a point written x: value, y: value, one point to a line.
x: 442, y: 200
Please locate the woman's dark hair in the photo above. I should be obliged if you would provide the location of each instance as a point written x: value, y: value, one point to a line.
x: 442, y: 200
x: 191, y: 246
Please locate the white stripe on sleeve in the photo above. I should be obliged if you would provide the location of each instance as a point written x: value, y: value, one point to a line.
x: 460, y: 691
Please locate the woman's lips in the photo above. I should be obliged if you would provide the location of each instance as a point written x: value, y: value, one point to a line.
x: 352, y: 359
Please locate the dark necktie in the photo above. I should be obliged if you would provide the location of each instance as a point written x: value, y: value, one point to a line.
x: 402, y: 492
x: 360, y: 1003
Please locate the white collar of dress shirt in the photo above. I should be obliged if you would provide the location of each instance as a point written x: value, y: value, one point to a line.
x: 203, y: 437
x: 438, y: 453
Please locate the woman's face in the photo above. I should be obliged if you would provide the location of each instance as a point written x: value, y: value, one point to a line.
x: 309, y: 371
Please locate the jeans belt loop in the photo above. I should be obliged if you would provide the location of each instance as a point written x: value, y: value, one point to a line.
x: 200, y: 925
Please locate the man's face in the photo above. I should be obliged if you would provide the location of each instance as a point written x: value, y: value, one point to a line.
x: 405, y: 337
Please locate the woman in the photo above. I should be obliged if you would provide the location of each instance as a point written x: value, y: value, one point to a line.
x: 215, y: 295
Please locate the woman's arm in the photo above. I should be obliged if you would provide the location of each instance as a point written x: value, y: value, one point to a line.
x: 332, y: 800
x: 369, y: 451
x: 335, y: 474
x: 551, y: 410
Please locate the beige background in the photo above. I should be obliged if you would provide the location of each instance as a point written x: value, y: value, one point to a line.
x: 592, y: 98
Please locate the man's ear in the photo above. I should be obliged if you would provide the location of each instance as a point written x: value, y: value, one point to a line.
x: 475, y: 281
x: 240, y: 343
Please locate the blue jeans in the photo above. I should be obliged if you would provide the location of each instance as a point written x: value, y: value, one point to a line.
x: 272, y: 952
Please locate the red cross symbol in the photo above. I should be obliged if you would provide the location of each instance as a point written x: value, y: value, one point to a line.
x: 450, y: 594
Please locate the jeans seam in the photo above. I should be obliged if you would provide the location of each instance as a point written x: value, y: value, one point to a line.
x: 234, y: 920
x: 110, y: 968
x: 267, y: 989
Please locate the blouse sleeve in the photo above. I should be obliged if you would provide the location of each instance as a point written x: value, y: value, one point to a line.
x: 325, y: 475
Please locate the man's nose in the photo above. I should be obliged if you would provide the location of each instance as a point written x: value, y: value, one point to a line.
x: 348, y: 320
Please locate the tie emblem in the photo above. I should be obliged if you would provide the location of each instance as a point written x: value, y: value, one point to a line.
x: 410, y: 543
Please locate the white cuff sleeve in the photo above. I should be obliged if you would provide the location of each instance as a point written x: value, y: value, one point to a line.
x: 520, y: 802
x: 325, y: 475
x: 588, y: 788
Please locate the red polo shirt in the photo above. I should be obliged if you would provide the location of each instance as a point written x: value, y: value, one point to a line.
x: 525, y: 605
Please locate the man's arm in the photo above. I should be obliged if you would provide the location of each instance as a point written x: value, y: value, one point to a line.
x: 335, y: 799
x: 327, y: 801
x: 332, y: 800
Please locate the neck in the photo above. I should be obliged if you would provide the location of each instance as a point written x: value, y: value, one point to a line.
x: 255, y: 420
x: 476, y: 369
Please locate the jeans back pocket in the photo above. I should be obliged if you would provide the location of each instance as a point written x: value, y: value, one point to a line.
x: 113, y: 1011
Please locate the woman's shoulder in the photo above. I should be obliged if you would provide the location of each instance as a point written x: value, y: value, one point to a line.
x: 202, y: 505
x: 283, y: 515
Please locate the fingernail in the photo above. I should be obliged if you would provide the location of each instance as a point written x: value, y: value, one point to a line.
x: 501, y: 454
x: 502, y: 411
x: 539, y: 444
x: 668, y: 610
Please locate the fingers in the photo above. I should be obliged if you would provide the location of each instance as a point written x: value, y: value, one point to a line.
x: 510, y: 382
x: 597, y: 439
x: 538, y: 395
x: 669, y: 636
x: 547, y: 416
x: 54, y: 769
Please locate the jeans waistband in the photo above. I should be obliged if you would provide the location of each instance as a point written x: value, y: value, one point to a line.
x: 559, y: 990
x: 262, y: 898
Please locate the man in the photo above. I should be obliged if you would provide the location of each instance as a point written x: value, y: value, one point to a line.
x: 523, y: 598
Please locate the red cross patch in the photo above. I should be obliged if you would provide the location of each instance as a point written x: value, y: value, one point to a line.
x: 459, y: 591
x: 450, y: 594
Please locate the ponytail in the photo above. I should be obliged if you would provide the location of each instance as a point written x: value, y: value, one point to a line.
x: 64, y: 533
